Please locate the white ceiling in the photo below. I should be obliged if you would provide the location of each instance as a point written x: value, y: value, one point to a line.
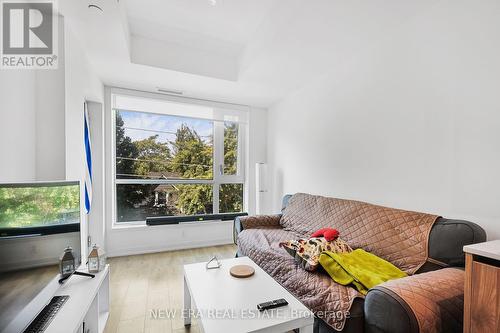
x: 250, y: 52
x: 228, y: 20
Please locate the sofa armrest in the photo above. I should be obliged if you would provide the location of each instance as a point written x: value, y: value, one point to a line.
x: 250, y: 222
x: 426, y: 302
x: 448, y: 237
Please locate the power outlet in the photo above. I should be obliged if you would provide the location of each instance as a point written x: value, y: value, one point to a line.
x: 89, y: 241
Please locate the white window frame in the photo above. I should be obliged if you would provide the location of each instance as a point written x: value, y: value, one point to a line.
x: 229, y: 110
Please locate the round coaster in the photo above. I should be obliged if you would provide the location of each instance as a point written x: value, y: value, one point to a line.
x: 242, y: 271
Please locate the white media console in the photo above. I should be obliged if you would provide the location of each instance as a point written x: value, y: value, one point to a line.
x: 86, y: 310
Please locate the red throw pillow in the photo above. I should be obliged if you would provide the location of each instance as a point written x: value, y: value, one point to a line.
x: 329, y: 234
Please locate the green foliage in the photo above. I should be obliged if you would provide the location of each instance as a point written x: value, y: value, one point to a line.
x: 38, y: 206
x: 126, y: 150
x: 192, y: 156
x: 230, y: 148
x: 126, y: 153
x: 230, y: 195
x: 186, y: 157
x: 152, y: 156
x: 231, y: 198
x: 195, y: 199
x: 193, y: 159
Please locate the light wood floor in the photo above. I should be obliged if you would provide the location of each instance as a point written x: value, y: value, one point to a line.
x: 147, y: 282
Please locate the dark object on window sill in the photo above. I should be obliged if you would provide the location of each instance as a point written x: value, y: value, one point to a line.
x: 61, y: 280
x: 163, y: 220
x: 39, y: 231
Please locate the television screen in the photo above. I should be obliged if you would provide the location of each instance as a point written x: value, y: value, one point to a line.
x: 39, y: 208
x: 37, y: 222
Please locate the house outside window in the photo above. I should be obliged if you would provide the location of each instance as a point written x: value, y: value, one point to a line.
x: 174, y: 158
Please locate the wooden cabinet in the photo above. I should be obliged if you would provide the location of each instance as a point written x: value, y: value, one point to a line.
x: 481, y: 294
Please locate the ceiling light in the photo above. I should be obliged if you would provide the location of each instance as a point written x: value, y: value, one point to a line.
x: 212, y: 2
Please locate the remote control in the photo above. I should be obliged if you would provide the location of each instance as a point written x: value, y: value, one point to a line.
x: 272, y: 304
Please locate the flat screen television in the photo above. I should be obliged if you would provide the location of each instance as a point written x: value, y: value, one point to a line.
x: 37, y: 209
x: 37, y: 222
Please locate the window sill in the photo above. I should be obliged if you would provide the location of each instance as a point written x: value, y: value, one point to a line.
x: 129, y: 225
x: 142, y: 224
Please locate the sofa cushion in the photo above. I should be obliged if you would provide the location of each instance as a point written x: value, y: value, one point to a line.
x: 398, y: 236
x: 329, y: 301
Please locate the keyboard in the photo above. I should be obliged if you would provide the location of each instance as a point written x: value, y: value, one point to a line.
x: 42, y: 321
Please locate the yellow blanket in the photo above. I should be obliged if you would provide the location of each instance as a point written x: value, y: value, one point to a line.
x: 359, y: 268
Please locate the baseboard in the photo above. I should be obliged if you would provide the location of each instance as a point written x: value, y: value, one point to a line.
x: 129, y: 251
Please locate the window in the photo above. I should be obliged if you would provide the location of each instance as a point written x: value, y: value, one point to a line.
x: 175, y: 159
x: 230, y: 148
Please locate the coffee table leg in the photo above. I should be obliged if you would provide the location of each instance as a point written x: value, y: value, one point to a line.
x: 187, y: 304
x: 306, y: 329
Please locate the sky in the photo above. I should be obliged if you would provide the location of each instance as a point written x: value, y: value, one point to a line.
x: 164, y: 123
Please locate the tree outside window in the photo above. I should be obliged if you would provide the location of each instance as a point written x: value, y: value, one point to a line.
x: 164, y: 151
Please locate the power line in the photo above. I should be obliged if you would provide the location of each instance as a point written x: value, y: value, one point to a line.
x: 163, y: 177
x: 159, y: 177
x: 163, y: 162
x: 159, y: 131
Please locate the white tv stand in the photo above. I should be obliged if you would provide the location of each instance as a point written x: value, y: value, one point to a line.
x: 87, y: 307
x: 86, y: 310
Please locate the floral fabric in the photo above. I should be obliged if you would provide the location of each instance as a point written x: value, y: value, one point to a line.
x: 306, y: 251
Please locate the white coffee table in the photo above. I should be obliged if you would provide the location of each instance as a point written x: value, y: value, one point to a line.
x: 224, y: 303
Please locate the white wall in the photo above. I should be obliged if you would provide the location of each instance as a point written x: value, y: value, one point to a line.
x: 32, y: 130
x: 415, y: 123
x: 17, y: 126
x: 81, y: 84
x: 49, y: 121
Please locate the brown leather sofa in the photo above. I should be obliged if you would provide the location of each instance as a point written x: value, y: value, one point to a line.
x: 397, y: 307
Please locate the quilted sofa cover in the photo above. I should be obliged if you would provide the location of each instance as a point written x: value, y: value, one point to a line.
x: 396, y: 235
